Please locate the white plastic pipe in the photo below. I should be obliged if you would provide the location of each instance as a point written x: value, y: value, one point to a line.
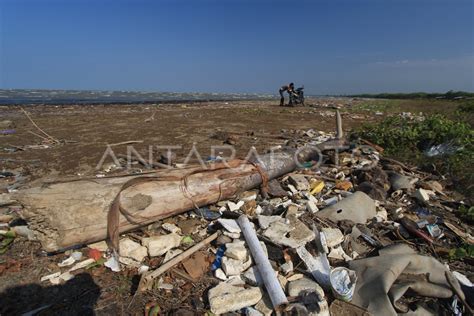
x: 264, y: 267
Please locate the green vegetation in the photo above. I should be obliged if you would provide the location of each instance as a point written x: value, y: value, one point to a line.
x: 409, y: 140
x: 450, y: 95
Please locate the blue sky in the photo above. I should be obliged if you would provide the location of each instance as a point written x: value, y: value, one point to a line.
x: 332, y: 47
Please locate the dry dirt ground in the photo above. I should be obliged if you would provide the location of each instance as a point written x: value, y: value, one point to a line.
x: 87, y: 130
x: 91, y: 128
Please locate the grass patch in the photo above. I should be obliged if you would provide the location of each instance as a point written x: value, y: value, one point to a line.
x: 410, y: 140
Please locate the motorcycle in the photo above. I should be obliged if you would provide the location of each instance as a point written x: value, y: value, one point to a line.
x: 297, y: 98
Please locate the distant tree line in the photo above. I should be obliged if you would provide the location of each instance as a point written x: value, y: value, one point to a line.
x: 451, y: 95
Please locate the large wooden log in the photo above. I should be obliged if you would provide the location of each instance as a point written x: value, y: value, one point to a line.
x: 73, y: 213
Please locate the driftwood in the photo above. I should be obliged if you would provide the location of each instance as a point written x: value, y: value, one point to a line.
x: 67, y: 214
x: 73, y: 213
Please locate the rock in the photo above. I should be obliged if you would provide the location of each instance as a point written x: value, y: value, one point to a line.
x: 220, y: 274
x: 293, y: 234
x: 293, y: 210
x: 282, y: 280
x: 275, y: 189
x: 315, y: 304
x: 231, y: 235
x: 292, y: 189
x: 422, y: 195
x: 248, y: 196
x: 235, y: 280
x: 295, y: 277
x: 298, y: 287
x: 235, y: 267
x: 132, y: 250
x: 101, y: 246
x: 250, y: 311
x: 222, y: 240
x: 171, y: 254
x: 226, y: 298
x: 333, y: 236
x: 265, y: 221
x: 171, y: 228
x: 265, y: 306
x: 253, y: 277
x: 230, y: 225
x: 287, y: 267
x: 358, y: 207
x: 237, y: 250
x: 311, y: 207
x: 159, y: 245
x: 234, y: 207
x: 299, y: 181
x: 24, y: 231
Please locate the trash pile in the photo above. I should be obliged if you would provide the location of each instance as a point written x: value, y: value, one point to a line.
x: 357, y: 233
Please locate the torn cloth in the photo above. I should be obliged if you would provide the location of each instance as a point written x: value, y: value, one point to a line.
x: 380, y: 282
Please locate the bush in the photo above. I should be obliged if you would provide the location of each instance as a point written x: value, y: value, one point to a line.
x: 409, y: 140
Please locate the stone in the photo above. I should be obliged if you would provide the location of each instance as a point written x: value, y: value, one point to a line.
x: 265, y: 221
x: 132, y: 250
x: 287, y: 267
x: 248, y: 196
x: 235, y: 280
x: 311, y: 207
x: 222, y: 240
x: 101, y: 246
x: 159, y: 245
x: 230, y: 225
x: 293, y: 234
x: 226, y: 298
x: 253, y: 277
x: 292, y: 189
x: 295, y: 277
x: 231, y: 235
x: 422, y: 195
x: 299, y: 181
x: 298, y: 287
x: 250, y: 311
x: 265, y: 306
x: 236, y: 250
x: 220, y: 274
x: 234, y: 207
x: 293, y: 210
x: 171, y: 228
x: 282, y: 280
x: 235, y: 267
x: 171, y: 254
x: 333, y: 236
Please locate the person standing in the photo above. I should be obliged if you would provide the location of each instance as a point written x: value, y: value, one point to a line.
x: 288, y: 88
